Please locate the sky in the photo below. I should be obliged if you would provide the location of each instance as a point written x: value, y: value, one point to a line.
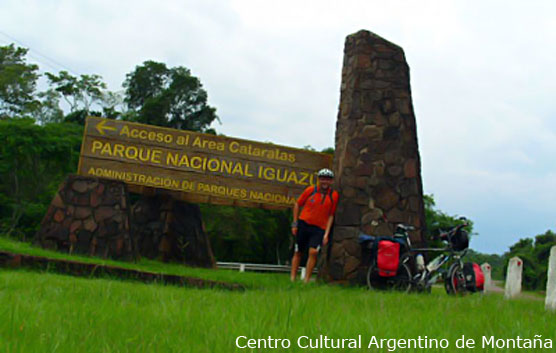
x: 483, y: 81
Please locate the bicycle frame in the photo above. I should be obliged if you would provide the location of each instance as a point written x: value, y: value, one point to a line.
x: 428, y: 276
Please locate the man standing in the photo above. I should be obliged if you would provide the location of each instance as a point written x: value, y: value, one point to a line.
x: 312, y: 227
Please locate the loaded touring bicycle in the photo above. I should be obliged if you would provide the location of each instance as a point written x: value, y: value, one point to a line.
x: 393, y: 264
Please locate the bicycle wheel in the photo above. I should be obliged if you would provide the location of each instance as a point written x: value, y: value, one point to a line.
x: 455, y: 280
x: 400, y: 282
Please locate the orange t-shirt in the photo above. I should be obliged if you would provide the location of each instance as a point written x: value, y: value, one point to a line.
x: 317, y: 207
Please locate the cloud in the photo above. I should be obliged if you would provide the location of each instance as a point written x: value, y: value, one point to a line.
x: 482, y: 80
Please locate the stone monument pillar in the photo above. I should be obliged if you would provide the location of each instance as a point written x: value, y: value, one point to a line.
x: 513, y: 278
x: 376, y: 159
x: 487, y: 269
x: 550, y: 300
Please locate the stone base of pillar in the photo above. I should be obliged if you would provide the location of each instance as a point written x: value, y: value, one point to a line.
x: 170, y: 230
x: 89, y: 216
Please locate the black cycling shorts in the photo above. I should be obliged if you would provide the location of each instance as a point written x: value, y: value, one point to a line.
x: 308, y: 236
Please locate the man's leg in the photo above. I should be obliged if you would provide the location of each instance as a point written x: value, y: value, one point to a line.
x: 296, y: 259
x: 301, y: 243
x: 311, y: 261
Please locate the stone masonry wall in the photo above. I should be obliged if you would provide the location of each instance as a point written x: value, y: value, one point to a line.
x: 93, y: 216
x: 88, y: 216
x: 377, y: 159
x: 171, y: 230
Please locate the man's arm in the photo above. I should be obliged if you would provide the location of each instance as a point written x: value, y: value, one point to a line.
x: 295, y: 218
x: 335, y: 197
x: 327, y: 230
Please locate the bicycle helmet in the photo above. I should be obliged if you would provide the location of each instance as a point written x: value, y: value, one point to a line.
x: 325, y: 173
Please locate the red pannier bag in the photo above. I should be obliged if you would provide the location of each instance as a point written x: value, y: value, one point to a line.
x: 388, y: 258
x: 479, y: 277
x: 474, y: 277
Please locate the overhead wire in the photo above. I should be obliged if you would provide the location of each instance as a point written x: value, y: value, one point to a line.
x: 33, y: 54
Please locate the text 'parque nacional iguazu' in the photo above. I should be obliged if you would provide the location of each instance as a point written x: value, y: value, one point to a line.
x: 201, y: 167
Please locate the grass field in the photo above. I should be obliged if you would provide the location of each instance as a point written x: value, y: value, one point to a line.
x: 247, y: 279
x: 43, y: 312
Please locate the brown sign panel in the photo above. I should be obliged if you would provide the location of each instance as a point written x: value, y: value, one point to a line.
x: 198, y: 167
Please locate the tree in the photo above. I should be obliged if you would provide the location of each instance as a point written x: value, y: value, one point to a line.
x: 109, y: 103
x: 18, y: 97
x: 49, y: 110
x: 171, y: 97
x: 80, y: 93
x: 18, y: 80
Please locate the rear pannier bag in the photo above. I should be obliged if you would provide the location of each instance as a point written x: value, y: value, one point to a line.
x: 474, y: 277
x: 388, y: 258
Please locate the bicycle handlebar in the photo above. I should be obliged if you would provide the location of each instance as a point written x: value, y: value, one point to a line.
x: 445, y: 235
x: 405, y: 227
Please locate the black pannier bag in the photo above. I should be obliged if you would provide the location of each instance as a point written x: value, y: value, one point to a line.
x: 460, y: 240
x: 474, y: 277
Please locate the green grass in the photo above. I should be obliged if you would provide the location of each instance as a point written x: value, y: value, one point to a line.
x: 247, y: 279
x: 43, y: 312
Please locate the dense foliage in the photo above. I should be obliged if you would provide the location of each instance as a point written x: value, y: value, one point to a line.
x: 248, y: 234
x: 34, y: 160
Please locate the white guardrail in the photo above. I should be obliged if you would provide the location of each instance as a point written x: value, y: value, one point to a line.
x: 242, y: 267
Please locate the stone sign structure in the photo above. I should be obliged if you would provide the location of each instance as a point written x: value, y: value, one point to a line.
x: 377, y: 159
x: 167, y: 167
x: 487, y: 269
x: 550, y: 300
x: 513, y: 278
